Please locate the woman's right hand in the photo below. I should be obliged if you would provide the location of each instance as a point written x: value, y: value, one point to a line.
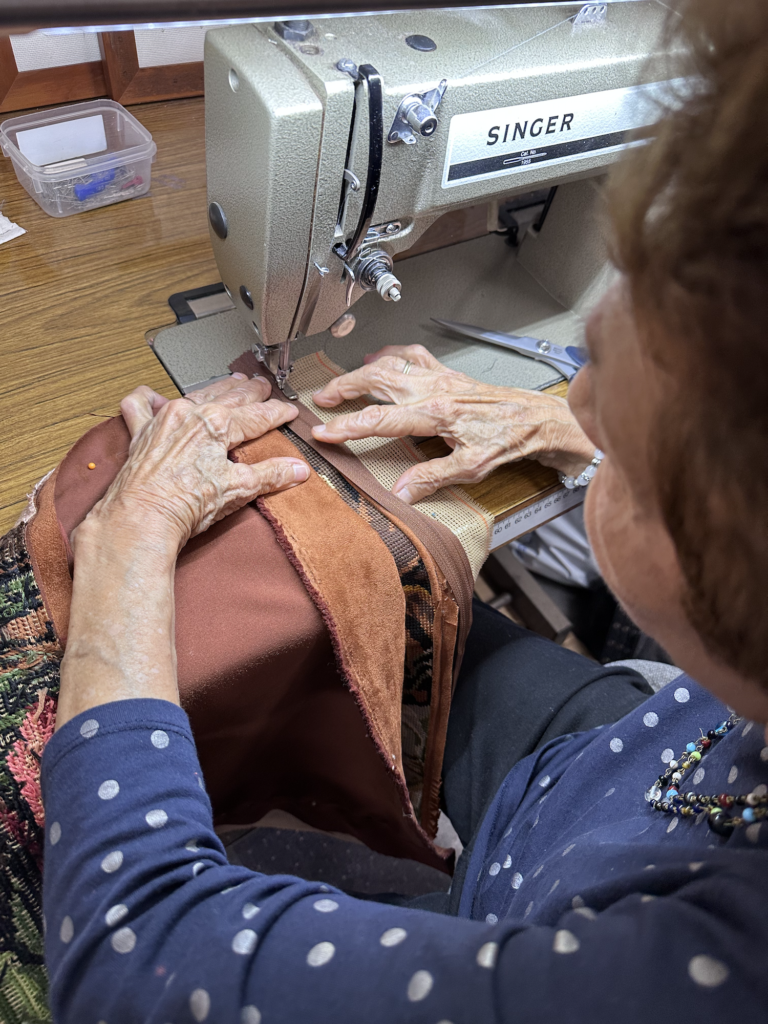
x: 485, y: 425
x: 178, y: 480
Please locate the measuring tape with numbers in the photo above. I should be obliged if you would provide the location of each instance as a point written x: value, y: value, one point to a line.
x: 532, y: 516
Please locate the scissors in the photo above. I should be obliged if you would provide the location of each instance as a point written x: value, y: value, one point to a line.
x: 567, y: 361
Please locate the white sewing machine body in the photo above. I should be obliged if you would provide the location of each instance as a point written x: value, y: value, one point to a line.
x: 333, y: 146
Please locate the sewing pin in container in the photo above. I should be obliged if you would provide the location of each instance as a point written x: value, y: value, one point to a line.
x: 79, y: 157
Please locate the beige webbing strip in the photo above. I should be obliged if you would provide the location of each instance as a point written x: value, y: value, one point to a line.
x: 388, y: 458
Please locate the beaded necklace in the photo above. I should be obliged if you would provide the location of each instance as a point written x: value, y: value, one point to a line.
x: 750, y: 808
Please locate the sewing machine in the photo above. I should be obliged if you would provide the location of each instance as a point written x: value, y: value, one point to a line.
x: 333, y: 145
x: 339, y: 149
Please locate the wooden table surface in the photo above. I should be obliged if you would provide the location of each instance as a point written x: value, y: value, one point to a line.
x: 78, y: 294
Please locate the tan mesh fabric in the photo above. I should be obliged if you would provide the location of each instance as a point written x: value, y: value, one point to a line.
x: 387, y: 458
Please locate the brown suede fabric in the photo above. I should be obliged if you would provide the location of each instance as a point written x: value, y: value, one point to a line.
x: 344, y: 572
x: 263, y: 601
x: 444, y: 546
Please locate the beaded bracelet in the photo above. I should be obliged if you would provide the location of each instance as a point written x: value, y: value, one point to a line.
x: 572, y: 482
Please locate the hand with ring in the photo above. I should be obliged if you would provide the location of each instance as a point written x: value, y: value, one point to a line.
x: 485, y: 425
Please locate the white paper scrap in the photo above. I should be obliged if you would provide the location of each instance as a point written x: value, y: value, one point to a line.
x: 63, y: 140
x: 9, y: 230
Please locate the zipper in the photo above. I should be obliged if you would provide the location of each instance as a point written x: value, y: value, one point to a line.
x: 444, y: 546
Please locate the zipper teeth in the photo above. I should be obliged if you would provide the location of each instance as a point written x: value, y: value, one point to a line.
x: 454, y: 563
x: 421, y: 524
x: 452, y: 559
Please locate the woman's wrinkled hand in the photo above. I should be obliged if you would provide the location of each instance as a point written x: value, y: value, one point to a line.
x: 178, y: 480
x: 485, y: 425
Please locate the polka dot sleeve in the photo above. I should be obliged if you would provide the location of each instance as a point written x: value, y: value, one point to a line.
x: 146, y: 921
x: 585, y: 913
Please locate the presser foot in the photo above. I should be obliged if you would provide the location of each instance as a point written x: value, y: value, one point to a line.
x: 285, y: 387
x: 270, y: 356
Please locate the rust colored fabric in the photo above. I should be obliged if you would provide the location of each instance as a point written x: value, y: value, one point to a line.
x: 48, y: 551
x: 290, y: 644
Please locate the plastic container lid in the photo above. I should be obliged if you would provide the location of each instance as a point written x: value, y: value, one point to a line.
x: 93, y: 136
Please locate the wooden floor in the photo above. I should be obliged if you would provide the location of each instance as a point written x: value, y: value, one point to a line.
x: 78, y: 294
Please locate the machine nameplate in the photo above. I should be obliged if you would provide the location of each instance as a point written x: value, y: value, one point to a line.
x: 532, y: 516
x: 492, y: 143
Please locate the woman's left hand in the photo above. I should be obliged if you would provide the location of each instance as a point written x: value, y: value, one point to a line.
x: 485, y: 425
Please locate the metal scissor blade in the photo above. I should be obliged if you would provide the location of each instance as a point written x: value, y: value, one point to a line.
x: 522, y: 344
x: 527, y: 346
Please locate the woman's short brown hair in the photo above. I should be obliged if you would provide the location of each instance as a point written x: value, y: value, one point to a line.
x: 690, y: 223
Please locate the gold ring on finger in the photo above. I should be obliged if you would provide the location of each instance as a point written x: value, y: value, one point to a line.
x: 407, y: 367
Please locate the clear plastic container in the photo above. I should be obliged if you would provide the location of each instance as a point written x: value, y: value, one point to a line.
x: 79, y: 157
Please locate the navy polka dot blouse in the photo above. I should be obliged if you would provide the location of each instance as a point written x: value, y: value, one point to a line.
x: 581, y: 903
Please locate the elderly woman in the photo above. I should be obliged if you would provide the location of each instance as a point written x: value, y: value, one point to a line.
x: 618, y: 872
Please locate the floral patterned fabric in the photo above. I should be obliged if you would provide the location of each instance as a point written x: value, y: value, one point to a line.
x: 29, y: 681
